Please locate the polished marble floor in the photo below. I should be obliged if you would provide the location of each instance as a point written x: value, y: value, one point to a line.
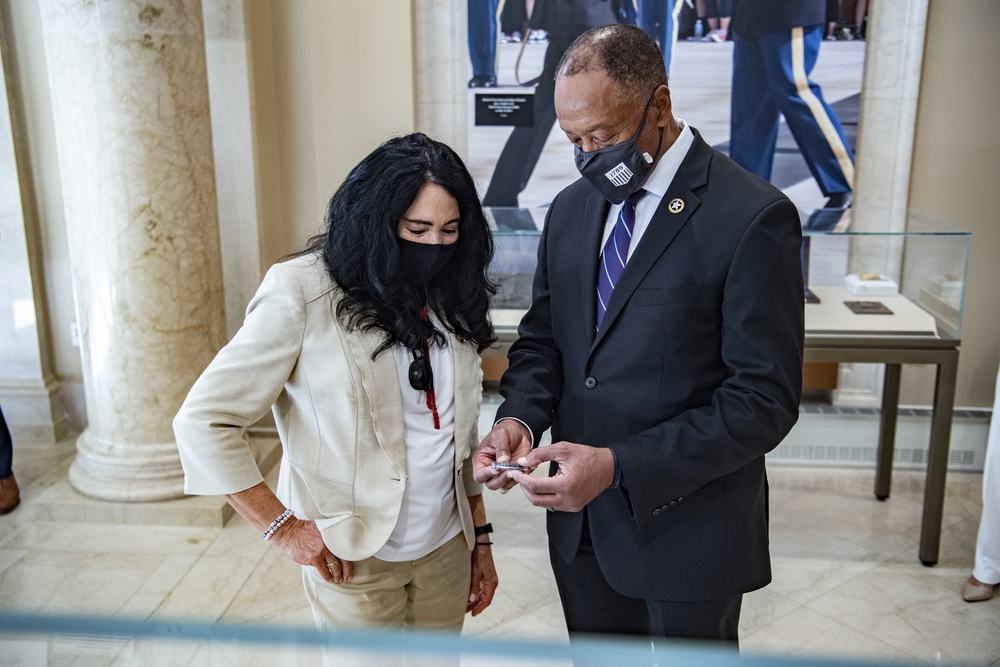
x: 847, y: 581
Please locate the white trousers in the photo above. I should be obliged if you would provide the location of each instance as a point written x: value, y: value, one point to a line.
x: 987, y: 568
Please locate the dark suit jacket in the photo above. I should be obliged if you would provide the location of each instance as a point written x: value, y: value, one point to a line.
x: 695, y: 375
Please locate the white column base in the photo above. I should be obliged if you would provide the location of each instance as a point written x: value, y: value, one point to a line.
x: 126, y: 471
x: 61, y: 502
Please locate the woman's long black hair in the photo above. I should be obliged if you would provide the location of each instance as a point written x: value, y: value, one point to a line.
x: 361, y: 247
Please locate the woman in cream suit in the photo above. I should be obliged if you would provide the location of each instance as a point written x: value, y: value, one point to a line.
x: 365, y: 346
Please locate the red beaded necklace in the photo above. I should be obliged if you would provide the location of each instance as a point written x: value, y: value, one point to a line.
x: 431, y: 398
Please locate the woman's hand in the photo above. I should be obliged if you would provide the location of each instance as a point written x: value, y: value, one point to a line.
x: 303, y: 543
x: 484, y: 580
x: 509, y: 440
x: 301, y: 540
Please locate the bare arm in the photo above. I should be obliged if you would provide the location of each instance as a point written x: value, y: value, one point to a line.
x: 484, y: 573
x: 300, y: 540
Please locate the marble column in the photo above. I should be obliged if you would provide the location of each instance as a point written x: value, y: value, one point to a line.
x: 443, y: 70
x: 893, y: 60
x: 29, y: 394
x: 131, y: 114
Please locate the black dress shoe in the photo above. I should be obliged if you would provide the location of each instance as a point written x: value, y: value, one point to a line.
x: 839, y: 200
x: 826, y: 219
x: 483, y: 82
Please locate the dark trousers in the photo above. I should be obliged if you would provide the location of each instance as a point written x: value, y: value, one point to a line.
x: 715, y: 9
x: 514, y: 17
x: 524, y: 145
x: 658, y: 19
x: 482, y: 16
x: 6, y: 449
x: 770, y: 80
x: 591, y: 606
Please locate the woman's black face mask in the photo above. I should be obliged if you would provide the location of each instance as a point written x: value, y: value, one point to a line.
x: 422, y: 261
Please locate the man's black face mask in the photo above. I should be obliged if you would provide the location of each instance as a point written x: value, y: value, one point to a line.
x: 617, y: 171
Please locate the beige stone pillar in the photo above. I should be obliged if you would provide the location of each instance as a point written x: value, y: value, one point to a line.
x: 442, y: 71
x: 893, y: 59
x: 131, y: 114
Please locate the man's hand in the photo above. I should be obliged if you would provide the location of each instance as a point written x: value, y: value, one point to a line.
x: 584, y: 472
x: 508, y: 439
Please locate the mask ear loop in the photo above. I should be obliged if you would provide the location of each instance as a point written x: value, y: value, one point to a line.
x: 649, y: 159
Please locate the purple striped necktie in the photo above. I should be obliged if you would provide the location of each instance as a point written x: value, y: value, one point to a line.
x: 615, y: 253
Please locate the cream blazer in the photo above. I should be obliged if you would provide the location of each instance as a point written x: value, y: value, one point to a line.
x: 339, y: 414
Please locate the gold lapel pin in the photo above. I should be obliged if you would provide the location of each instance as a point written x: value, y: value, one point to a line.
x: 676, y: 205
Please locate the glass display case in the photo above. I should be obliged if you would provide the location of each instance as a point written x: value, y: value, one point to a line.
x: 880, y: 283
x: 860, y: 283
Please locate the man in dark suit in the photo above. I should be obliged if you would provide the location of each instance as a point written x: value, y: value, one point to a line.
x: 665, y: 392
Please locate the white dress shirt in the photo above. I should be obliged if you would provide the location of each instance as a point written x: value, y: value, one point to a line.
x: 425, y: 522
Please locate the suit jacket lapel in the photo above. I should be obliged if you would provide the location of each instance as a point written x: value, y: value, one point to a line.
x: 594, y: 217
x: 661, y: 231
x: 468, y: 380
x: 386, y: 407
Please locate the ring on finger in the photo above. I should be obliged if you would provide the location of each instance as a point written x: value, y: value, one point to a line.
x: 506, y: 489
x: 335, y: 561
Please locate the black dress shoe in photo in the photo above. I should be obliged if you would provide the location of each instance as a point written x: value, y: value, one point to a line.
x: 483, y: 82
x: 826, y: 219
x: 839, y: 200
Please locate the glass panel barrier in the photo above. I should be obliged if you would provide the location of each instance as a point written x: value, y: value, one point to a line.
x: 37, y: 640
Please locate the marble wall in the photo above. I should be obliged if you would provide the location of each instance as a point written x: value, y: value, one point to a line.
x: 228, y: 67
x: 131, y: 113
x: 28, y: 390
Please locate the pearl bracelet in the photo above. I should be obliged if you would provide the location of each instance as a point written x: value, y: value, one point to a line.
x: 278, y: 523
